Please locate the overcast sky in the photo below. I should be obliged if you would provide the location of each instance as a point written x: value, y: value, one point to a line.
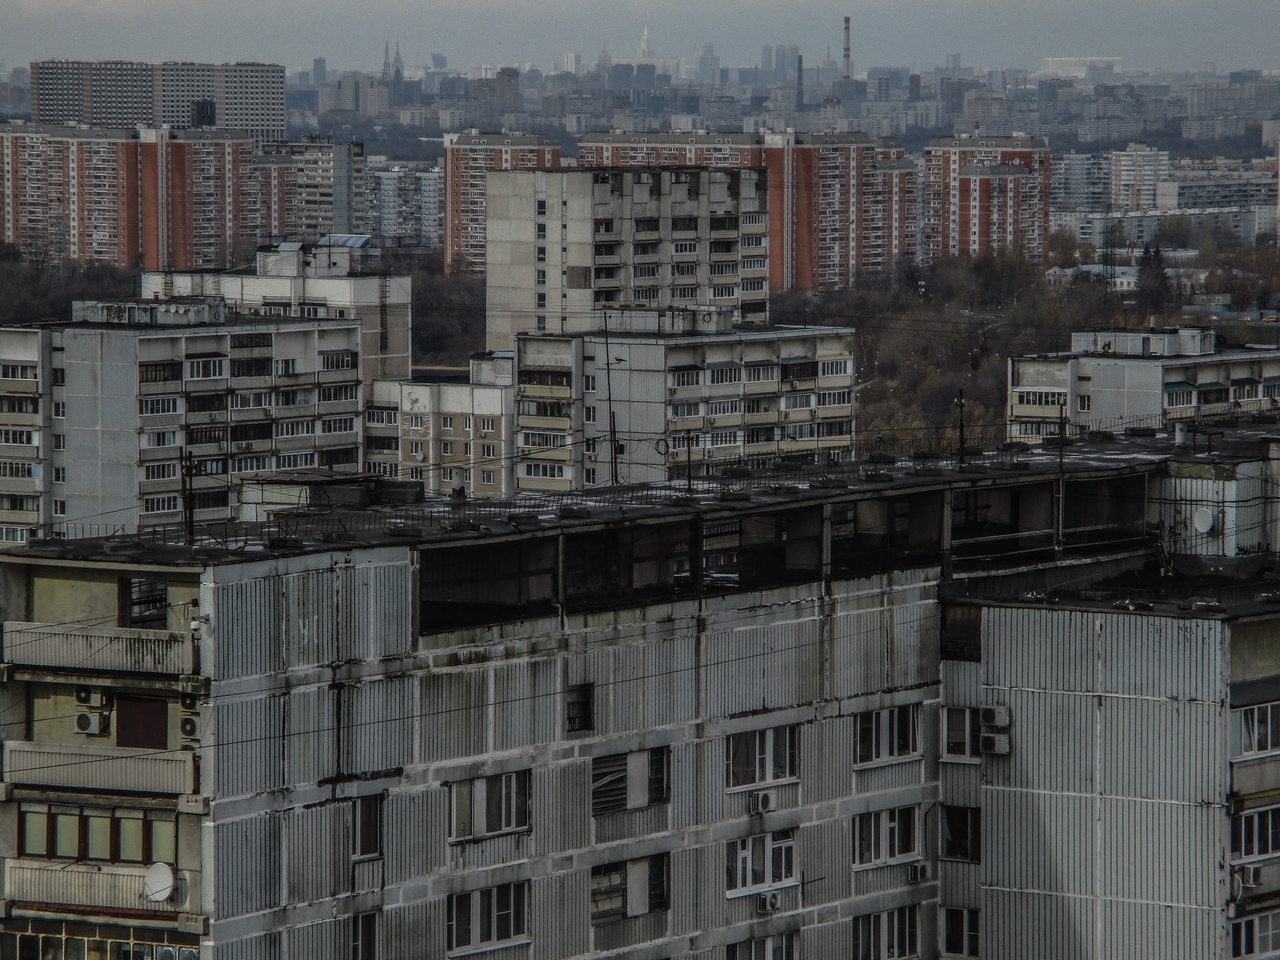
x: 1177, y: 34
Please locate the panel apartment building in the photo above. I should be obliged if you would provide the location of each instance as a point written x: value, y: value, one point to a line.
x: 983, y: 194
x: 248, y: 97
x: 468, y: 157
x: 842, y: 206
x: 562, y: 244
x: 803, y: 720
x: 159, y: 198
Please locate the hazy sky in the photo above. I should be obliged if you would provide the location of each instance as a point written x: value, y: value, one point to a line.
x: 1177, y: 34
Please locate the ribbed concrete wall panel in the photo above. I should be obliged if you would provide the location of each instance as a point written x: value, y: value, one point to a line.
x: 858, y: 653
x: 827, y: 751
x: 408, y: 932
x: 527, y: 704
x: 263, y: 947
x: 698, y: 780
x: 374, y: 605
x: 561, y: 807
x: 959, y: 884
x: 251, y: 611
x: 311, y: 735
x: 1165, y: 749
x: 560, y: 915
x: 318, y: 861
x: 1031, y: 926
x: 762, y: 668
x: 455, y: 713
x: 1038, y: 841
x: 960, y: 783
x: 1052, y: 738
x: 1172, y: 852
x: 887, y: 776
x: 328, y: 938
x: 249, y: 743
x: 1039, y: 649
x: 378, y: 724
x: 1150, y: 931
x: 825, y: 858
x: 827, y: 940
x: 643, y: 686
x: 697, y: 881
x: 913, y: 648
x: 410, y: 816
x: 250, y: 849
x: 1181, y: 659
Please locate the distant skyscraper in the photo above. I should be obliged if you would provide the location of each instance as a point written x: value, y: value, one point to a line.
x: 645, y: 52
x: 573, y: 63
x: 766, y: 59
x: 319, y: 71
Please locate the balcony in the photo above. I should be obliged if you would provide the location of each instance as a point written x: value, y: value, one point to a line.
x: 87, y: 888
x: 114, y: 649
x: 84, y: 766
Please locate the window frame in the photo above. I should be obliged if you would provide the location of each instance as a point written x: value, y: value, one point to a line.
x: 973, y: 735
x: 762, y: 854
x: 514, y: 788
x: 763, y: 750
x: 879, y: 735
x: 968, y: 850
x: 487, y: 900
x: 878, y: 837
x: 967, y: 932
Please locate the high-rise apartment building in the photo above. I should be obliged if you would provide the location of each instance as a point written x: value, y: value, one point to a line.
x: 467, y: 158
x: 248, y: 97
x: 964, y: 175
x: 173, y: 200
x: 322, y: 182
x: 405, y: 200
x: 1136, y: 172
x: 843, y: 207
x: 564, y: 243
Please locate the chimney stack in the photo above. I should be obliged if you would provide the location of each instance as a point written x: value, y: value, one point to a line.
x: 846, y: 48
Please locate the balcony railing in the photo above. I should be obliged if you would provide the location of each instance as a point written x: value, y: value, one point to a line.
x: 89, y: 887
x: 83, y: 766
x: 95, y: 649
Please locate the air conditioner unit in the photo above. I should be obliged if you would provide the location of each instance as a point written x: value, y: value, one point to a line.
x: 591, y: 457
x: 90, y: 697
x: 995, y: 717
x: 1250, y: 876
x: 762, y: 801
x: 997, y: 743
x: 91, y: 724
x: 918, y: 872
x: 520, y: 388
x: 769, y: 902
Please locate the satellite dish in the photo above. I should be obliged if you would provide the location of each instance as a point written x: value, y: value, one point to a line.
x: 157, y: 885
x: 1202, y: 520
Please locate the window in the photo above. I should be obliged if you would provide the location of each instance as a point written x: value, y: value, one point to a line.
x: 17, y: 371
x: 717, y: 408
x: 489, y: 805
x: 686, y: 378
x: 251, y: 367
x: 22, y: 469
x: 206, y: 369
x: 59, y: 508
x: 286, y: 367
x: 338, y: 425
x: 959, y: 932
x: 780, y: 946
x: 159, y: 504
x: 60, y: 440
x: 553, y: 471
x: 578, y: 703
x: 159, y: 372
x: 96, y: 833
x: 724, y: 438
x: 961, y: 833
x: 446, y: 423
x: 364, y: 936
x: 154, y: 406
x: 1256, y: 936
x: 834, y: 398
x: 367, y: 834
x: 884, y: 835
x: 466, y: 423
x: 684, y: 246
x: 59, y: 474
x: 588, y: 414
x: 797, y: 401
x: 763, y: 756
x: 16, y: 437
x: 160, y: 471
x: 487, y: 451
x: 888, y: 734
x: 1179, y: 398
x: 630, y: 781
x: 688, y: 408
x: 764, y: 860
x: 295, y: 461
x: 488, y: 477
x: 486, y: 425
x: 1084, y: 402
x: 892, y: 934
x: 1256, y: 729
x: 961, y: 732
x: 59, y: 409
x: 493, y: 915
x: 344, y: 391
x: 833, y: 368
x: 728, y: 374
x: 1255, y: 834
x: 630, y: 888
x: 295, y: 428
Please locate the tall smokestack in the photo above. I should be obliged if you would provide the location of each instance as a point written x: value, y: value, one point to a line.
x: 846, y: 48
x: 800, y: 81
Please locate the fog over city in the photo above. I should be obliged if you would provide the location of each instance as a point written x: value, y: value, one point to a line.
x: 1177, y: 35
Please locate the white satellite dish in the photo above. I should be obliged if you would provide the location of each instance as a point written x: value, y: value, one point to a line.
x: 157, y: 885
x: 1202, y: 520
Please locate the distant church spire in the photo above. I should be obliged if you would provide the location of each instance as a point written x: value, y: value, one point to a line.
x: 386, y: 62
x: 397, y: 66
x: 644, y: 52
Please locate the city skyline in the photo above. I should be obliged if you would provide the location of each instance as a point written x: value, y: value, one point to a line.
x: 989, y: 33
